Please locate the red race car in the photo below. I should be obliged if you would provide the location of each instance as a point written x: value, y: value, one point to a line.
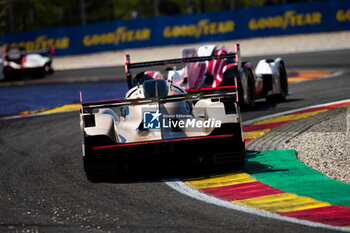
x: 268, y: 80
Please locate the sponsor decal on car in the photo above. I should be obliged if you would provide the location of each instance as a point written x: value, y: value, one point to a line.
x: 151, y: 120
x: 156, y: 120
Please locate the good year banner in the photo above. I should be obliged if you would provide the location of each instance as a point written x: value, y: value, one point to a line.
x: 308, y: 17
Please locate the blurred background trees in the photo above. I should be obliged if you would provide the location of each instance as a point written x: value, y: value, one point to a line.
x: 25, y: 15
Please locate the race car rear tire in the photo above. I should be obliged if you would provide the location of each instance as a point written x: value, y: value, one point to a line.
x: 92, y: 177
x: 282, y: 96
x: 97, y: 170
x: 283, y: 82
x: 10, y: 76
x: 250, y: 91
x: 99, y: 177
x: 48, y: 69
x: 39, y: 74
x: 89, y: 173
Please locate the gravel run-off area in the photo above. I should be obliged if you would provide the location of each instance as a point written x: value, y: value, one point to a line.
x: 325, y: 147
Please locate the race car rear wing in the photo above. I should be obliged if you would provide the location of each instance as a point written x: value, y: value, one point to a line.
x: 222, y: 92
x: 88, y: 107
x: 128, y: 66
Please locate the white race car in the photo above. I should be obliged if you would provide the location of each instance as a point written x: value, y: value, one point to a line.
x: 17, y: 63
x: 159, y: 121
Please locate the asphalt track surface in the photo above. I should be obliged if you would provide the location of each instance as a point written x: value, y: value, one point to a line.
x: 43, y: 187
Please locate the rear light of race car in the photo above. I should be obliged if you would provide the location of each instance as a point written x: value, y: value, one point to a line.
x: 24, y: 59
x: 52, y: 49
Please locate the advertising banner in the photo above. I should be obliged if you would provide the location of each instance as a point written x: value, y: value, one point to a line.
x: 287, y: 19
